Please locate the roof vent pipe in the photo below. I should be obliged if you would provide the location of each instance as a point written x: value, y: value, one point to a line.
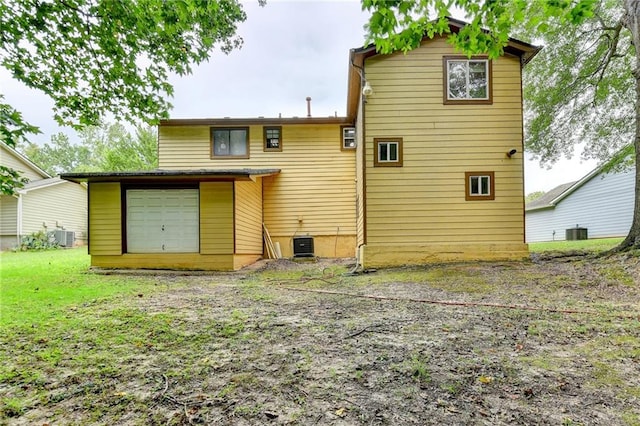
x: 308, y: 107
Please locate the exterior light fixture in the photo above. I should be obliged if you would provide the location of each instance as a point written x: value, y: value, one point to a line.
x: 367, y: 90
x: 511, y: 153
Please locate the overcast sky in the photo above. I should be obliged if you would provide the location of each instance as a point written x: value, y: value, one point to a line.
x: 292, y: 50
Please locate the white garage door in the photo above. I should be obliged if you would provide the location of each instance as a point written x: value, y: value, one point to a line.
x: 162, y: 221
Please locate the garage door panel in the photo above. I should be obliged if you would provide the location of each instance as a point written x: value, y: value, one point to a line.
x: 163, y: 221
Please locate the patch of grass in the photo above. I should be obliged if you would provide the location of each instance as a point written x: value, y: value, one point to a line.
x: 594, y: 245
x: 36, y: 287
x: 11, y: 407
x: 630, y: 418
x: 416, y: 367
x: 617, y: 274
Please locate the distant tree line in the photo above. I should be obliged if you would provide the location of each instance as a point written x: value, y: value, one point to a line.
x: 107, y: 147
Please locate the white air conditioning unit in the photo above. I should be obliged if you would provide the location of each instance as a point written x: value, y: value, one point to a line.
x: 64, y: 238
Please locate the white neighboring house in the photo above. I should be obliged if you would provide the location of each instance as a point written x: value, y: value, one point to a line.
x: 44, y: 202
x: 600, y: 202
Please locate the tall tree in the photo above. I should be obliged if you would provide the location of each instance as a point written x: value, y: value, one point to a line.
x: 93, y: 57
x: 58, y: 156
x: 588, y: 105
x: 115, y: 149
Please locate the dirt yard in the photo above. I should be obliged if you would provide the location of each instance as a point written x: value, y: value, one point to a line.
x: 554, y: 341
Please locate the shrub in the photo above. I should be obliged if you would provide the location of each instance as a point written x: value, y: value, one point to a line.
x: 40, y: 240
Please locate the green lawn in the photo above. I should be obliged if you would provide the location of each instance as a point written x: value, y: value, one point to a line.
x: 596, y: 245
x: 37, y: 286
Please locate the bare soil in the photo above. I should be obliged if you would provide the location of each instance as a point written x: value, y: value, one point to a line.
x: 554, y: 341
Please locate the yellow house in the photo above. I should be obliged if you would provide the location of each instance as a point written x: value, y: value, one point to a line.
x: 426, y: 166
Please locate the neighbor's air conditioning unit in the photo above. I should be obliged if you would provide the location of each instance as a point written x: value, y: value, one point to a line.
x: 64, y: 238
x: 303, y: 246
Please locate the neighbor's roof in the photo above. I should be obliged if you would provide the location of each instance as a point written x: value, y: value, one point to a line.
x: 39, y: 184
x: 149, y: 176
x: 521, y: 49
x: 25, y: 160
x: 546, y: 200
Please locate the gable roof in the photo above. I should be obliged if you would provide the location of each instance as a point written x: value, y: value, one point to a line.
x: 39, y: 184
x: 25, y: 160
x: 545, y: 201
x: 357, y: 56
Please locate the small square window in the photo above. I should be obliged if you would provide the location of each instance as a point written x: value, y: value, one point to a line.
x: 348, y: 137
x: 467, y: 80
x: 230, y: 143
x: 388, y: 152
x: 273, y: 138
x: 479, y: 186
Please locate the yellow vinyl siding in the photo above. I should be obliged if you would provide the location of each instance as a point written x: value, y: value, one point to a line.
x: 105, y: 219
x: 313, y: 194
x: 248, y: 212
x: 216, y: 218
x: 423, y: 203
x: 57, y: 206
x: 192, y: 261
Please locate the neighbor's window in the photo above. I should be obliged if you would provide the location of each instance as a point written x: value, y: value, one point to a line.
x: 231, y: 143
x: 273, y: 138
x: 388, y: 152
x: 479, y: 186
x: 467, y: 80
x: 348, y: 137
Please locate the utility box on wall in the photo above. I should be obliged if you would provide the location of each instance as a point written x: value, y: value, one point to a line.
x: 576, y: 233
x: 303, y: 246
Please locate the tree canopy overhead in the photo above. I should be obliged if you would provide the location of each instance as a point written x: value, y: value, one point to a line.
x: 93, y: 57
x: 98, y: 57
x: 586, y: 86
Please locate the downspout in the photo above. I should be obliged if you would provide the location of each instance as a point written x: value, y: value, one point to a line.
x: 19, y: 220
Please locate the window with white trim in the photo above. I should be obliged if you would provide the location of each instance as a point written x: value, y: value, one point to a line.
x: 467, y: 80
x: 348, y: 137
x: 388, y: 152
x: 479, y: 186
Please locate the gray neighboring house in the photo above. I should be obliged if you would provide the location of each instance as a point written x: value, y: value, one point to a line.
x: 600, y: 202
x: 44, y: 202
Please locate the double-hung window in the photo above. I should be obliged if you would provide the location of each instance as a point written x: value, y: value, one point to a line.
x: 388, y: 152
x: 273, y: 138
x: 230, y: 142
x: 348, y: 137
x: 479, y: 186
x: 467, y: 80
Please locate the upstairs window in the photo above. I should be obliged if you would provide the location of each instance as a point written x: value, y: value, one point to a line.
x: 479, y: 186
x: 273, y: 138
x: 467, y: 80
x: 230, y: 143
x: 348, y: 137
x: 388, y: 152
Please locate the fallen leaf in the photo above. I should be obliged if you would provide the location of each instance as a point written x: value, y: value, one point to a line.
x: 341, y: 412
x: 485, y: 379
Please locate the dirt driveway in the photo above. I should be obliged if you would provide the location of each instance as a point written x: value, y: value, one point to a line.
x: 555, y: 342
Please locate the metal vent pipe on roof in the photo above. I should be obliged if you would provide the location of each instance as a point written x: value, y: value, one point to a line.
x: 308, y: 107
